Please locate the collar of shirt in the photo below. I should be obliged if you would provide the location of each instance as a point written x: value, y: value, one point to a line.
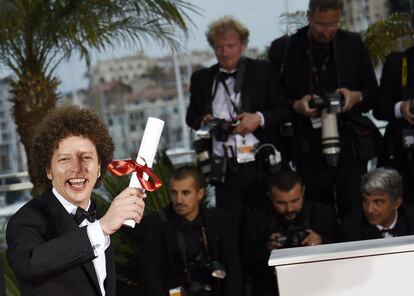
x: 380, y: 227
x: 227, y: 71
x: 69, y: 207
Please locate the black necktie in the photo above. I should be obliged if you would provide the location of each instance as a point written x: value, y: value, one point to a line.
x: 82, y: 214
x: 391, y: 231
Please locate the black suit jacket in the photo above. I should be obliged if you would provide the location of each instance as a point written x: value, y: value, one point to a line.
x: 356, y: 227
x: 390, y: 92
x: 160, y: 262
x: 51, y: 255
x: 2, y: 285
x: 354, y: 70
x: 260, y: 91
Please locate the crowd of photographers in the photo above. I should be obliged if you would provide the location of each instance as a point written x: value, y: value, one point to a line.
x: 286, y: 143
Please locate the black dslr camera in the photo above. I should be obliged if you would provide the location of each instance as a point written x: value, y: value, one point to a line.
x: 218, y: 127
x: 292, y: 233
x: 204, y: 275
x: 333, y: 102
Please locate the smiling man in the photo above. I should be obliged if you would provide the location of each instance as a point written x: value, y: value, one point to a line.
x: 57, y: 243
x: 383, y: 213
x: 185, y: 246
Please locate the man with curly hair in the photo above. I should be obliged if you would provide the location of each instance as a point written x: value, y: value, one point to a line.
x: 55, y: 244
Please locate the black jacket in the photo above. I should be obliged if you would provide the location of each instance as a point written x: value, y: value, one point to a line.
x: 356, y: 227
x: 353, y: 69
x: 260, y: 91
x: 51, y: 255
x: 390, y: 92
x: 160, y: 261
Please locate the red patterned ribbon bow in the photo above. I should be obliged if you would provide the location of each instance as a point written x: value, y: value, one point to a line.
x: 125, y: 167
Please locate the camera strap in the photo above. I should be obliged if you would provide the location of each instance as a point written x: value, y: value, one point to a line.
x: 182, y: 247
x: 222, y: 77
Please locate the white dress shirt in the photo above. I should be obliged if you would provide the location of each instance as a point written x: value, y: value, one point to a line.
x: 223, y: 108
x: 99, y: 241
x: 390, y: 227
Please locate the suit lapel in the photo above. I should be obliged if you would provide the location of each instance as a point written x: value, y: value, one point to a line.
x: 64, y: 223
x: 211, y: 85
x: 244, y: 79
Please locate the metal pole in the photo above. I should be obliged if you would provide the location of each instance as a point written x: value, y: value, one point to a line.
x: 181, y: 107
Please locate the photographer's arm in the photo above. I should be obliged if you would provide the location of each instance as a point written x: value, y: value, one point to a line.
x: 197, y: 113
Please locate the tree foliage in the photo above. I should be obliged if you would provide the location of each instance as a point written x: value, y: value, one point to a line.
x: 37, y: 35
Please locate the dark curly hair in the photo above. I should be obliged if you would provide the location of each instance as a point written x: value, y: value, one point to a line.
x: 59, y: 124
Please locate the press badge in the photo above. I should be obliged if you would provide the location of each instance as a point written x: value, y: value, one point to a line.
x: 244, y: 149
x: 316, y: 122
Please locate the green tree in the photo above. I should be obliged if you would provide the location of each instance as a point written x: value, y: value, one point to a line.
x: 37, y: 35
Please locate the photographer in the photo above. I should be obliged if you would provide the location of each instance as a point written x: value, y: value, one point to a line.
x: 395, y: 105
x: 318, y: 60
x: 186, y: 248
x: 289, y: 221
x: 383, y: 213
x: 247, y: 95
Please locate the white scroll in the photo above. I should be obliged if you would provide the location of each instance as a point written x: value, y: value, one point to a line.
x: 146, y: 152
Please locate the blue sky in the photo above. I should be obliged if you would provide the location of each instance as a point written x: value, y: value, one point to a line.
x: 262, y: 21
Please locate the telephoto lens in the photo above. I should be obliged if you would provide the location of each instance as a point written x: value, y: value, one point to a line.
x: 330, y: 137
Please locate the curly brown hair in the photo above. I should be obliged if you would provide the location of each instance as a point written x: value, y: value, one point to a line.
x: 222, y: 26
x: 59, y: 124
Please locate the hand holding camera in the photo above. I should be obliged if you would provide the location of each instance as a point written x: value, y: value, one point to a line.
x: 302, y: 106
x: 352, y: 97
x: 249, y: 122
x: 312, y: 239
x: 273, y: 242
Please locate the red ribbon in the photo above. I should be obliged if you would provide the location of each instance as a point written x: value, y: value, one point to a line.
x: 125, y: 167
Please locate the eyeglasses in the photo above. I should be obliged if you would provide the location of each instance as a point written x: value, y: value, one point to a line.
x: 332, y: 26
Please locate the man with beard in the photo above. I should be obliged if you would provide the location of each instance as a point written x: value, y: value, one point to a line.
x: 289, y: 222
x: 185, y: 247
x: 382, y: 214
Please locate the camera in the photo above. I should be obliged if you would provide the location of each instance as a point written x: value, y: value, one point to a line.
x: 329, y: 105
x: 204, y: 275
x: 333, y: 102
x: 218, y: 127
x: 293, y: 232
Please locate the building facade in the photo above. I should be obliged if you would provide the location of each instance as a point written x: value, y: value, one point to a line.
x: 359, y: 14
x: 12, y: 155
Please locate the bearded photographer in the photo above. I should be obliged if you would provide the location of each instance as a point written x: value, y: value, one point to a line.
x: 318, y: 60
x: 185, y: 248
x: 395, y: 105
x: 245, y: 93
x: 288, y: 221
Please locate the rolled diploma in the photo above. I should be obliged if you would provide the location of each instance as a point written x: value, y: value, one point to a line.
x: 147, y: 151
